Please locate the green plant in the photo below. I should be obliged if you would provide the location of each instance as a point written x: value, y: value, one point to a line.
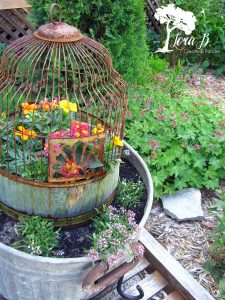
x: 172, y: 80
x: 210, y: 21
x: 181, y: 139
x: 216, y: 264
x: 114, y: 230
x: 130, y: 193
x: 153, y: 40
x: 119, y: 25
x: 37, y: 236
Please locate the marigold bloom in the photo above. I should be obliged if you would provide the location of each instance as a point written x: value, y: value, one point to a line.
x: 68, y: 106
x: 117, y: 141
x: 98, y: 129
x: 27, y: 108
x: 25, y: 133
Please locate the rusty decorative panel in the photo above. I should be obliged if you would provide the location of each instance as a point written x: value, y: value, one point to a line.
x: 73, y: 159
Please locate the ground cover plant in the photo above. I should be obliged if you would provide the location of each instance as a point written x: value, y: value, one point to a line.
x: 181, y: 137
x: 37, y: 236
x: 114, y: 230
x: 130, y: 193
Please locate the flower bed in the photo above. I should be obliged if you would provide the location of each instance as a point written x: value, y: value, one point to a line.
x: 35, y: 126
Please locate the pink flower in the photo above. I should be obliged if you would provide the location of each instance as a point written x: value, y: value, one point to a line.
x: 102, y: 243
x: 161, y: 108
x: 161, y: 117
x: 220, y: 133
x: 153, y: 155
x: 93, y: 255
x: 154, y: 144
x: 197, y: 147
x: 221, y: 124
x: 115, y: 242
x: 186, y: 117
x: 139, y: 250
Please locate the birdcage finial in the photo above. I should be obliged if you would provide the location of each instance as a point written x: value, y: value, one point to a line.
x: 58, y: 31
x: 55, y: 5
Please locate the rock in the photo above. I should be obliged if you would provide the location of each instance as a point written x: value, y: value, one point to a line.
x: 184, y: 205
x: 155, y: 209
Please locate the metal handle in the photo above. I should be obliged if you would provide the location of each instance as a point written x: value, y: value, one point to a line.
x: 129, y: 297
x: 96, y: 281
x: 55, y: 5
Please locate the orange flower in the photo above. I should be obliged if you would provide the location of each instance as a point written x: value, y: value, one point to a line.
x: 27, y: 108
x: 49, y: 105
x: 25, y: 133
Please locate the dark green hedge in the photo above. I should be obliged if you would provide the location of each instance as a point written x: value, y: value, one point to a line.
x: 119, y: 25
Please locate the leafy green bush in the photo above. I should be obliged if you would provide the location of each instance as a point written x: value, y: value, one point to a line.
x: 210, y: 20
x: 216, y: 263
x: 38, y: 236
x: 182, y: 139
x: 119, y: 25
x: 154, y: 40
x: 130, y: 193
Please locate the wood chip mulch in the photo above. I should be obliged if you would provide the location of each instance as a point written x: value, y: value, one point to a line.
x: 210, y: 87
x: 189, y: 241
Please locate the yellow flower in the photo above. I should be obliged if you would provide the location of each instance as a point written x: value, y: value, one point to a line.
x: 98, y: 129
x: 117, y: 141
x: 27, y: 108
x: 67, y: 106
x: 25, y: 133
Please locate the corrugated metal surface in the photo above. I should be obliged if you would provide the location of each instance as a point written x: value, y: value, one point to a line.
x: 58, y: 202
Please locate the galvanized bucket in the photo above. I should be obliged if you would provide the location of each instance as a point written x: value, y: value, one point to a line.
x: 27, y: 277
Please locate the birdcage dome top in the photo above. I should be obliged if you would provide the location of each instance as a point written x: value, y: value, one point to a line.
x: 58, y: 32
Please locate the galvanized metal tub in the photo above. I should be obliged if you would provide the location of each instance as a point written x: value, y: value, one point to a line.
x: 66, y: 204
x: 27, y: 277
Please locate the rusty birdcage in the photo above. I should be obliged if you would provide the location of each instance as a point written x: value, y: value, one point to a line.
x: 62, y: 111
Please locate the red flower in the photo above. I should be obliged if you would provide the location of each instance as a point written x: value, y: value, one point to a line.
x: 79, y: 129
x: 70, y: 169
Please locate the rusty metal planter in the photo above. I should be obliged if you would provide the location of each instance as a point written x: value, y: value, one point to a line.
x: 67, y: 204
x: 27, y: 277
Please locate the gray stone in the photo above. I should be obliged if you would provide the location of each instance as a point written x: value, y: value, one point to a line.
x: 184, y: 205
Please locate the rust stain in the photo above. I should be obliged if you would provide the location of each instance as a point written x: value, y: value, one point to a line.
x: 75, y: 194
